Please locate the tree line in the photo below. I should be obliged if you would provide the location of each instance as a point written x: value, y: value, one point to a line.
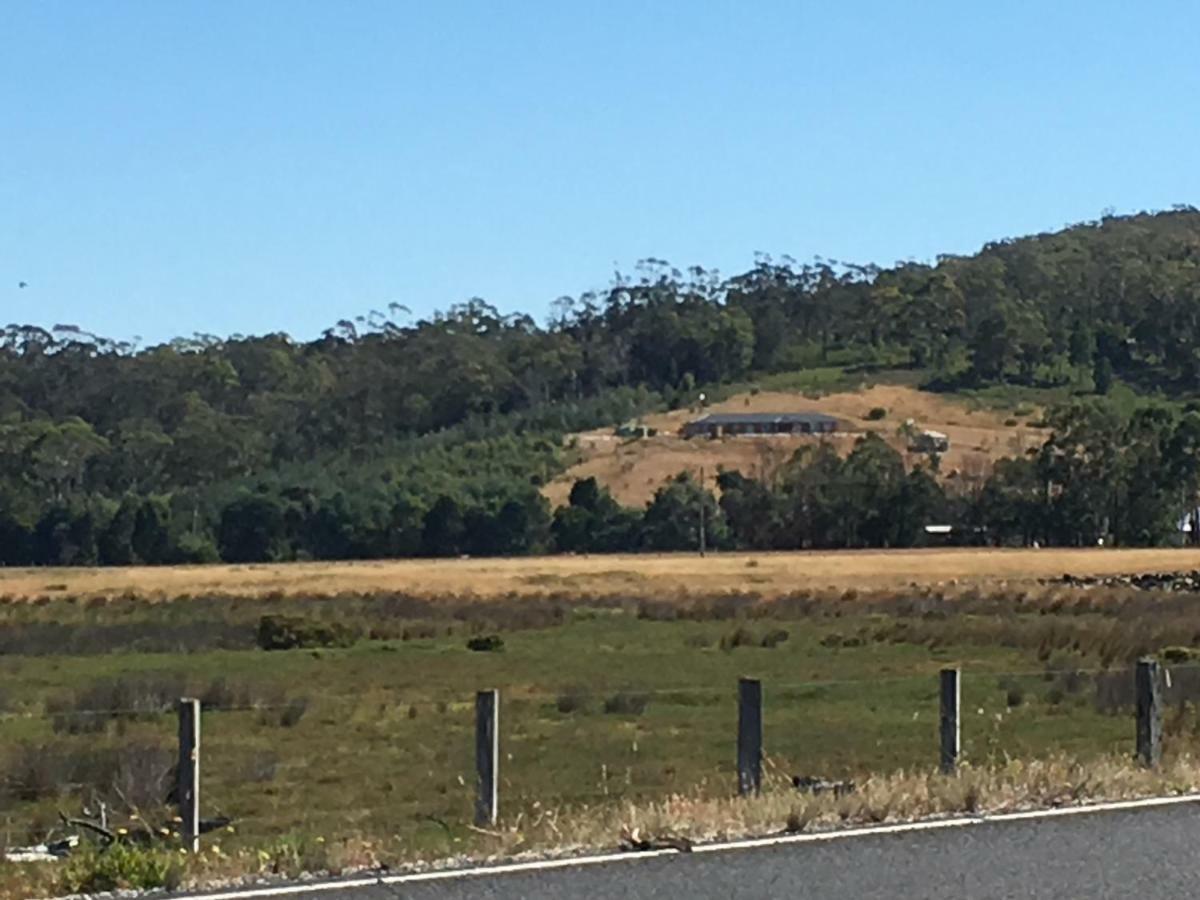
x: 345, y: 445
x: 1105, y: 474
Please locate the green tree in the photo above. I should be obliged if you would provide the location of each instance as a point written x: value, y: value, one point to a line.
x: 151, y: 536
x: 444, y: 531
x: 673, y: 518
x: 116, y: 540
x: 251, y: 530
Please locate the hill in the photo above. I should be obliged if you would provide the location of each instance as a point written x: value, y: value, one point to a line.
x: 634, y: 469
x: 389, y: 436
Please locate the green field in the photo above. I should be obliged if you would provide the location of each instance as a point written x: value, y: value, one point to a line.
x: 602, y: 701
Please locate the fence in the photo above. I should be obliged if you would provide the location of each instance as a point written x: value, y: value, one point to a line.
x: 529, y: 751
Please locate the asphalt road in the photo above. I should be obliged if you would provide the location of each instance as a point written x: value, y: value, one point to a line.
x: 1149, y: 854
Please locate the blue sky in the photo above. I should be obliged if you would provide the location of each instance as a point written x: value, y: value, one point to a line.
x: 222, y: 167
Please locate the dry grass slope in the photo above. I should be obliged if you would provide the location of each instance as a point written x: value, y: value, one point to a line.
x: 633, y: 470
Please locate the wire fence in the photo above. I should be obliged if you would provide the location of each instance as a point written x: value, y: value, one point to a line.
x: 406, y: 765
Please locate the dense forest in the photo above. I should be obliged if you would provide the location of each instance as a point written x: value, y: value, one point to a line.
x: 394, y: 436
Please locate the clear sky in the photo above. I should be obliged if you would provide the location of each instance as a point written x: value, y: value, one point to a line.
x: 177, y: 167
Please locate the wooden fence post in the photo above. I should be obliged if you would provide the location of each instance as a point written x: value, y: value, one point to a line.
x: 1149, y: 713
x: 750, y: 736
x: 187, y: 785
x: 950, y: 733
x: 487, y: 757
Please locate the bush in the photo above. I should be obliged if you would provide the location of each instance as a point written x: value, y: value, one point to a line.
x: 195, y: 549
x: 293, y: 632
x: 488, y: 643
x: 258, y: 768
x: 1010, y: 422
x: 220, y: 694
x: 573, y: 699
x: 744, y: 637
x: 133, y: 774
x: 739, y: 637
x: 876, y: 413
x: 1177, y: 655
x: 625, y: 703
x: 120, y: 867
x: 773, y: 637
x: 122, y: 699
x: 293, y: 712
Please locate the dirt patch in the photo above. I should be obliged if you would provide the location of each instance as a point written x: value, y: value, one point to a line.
x: 634, y: 469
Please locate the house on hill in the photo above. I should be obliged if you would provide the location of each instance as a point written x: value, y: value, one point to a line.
x: 721, y: 424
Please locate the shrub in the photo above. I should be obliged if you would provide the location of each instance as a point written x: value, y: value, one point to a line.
x: 220, y: 694
x: 744, y: 637
x: 739, y: 637
x: 133, y: 774
x: 258, y: 768
x: 876, y: 413
x: 293, y: 712
x: 487, y: 643
x: 774, y: 637
x: 120, y: 867
x: 625, y: 703
x: 195, y: 549
x: 1010, y: 422
x: 1014, y: 691
x: 126, y: 698
x: 573, y: 699
x: 1177, y: 655
x: 293, y: 632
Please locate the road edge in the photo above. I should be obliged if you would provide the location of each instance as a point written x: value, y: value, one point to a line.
x: 569, y: 862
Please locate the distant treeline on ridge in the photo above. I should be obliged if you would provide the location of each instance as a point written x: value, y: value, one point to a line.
x: 391, y: 437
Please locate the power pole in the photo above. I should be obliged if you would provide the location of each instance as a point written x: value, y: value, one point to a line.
x: 703, y: 546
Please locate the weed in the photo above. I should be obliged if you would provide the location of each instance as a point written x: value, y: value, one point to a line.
x: 120, y: 867
x: 488, y: 643
x: 626, y: 703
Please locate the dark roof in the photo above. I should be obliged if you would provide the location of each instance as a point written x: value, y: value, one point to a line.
x: 765, y: 419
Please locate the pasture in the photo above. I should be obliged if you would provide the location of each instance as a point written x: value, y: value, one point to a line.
x: 657, y: 576
x: 617, y: 678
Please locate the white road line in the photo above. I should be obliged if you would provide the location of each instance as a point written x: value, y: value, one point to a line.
x: 722, y: 847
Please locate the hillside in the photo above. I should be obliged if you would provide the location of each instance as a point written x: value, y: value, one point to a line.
x: 634, y: 469
x: 393, y: 436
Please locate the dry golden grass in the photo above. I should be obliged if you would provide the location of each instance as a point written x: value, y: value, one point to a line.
x: 633, y: 470
x: 682, y: 820
x: 645, y: 575
x: 901, y: 797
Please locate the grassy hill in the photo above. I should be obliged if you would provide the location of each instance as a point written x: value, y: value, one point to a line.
x: 633, y: 469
